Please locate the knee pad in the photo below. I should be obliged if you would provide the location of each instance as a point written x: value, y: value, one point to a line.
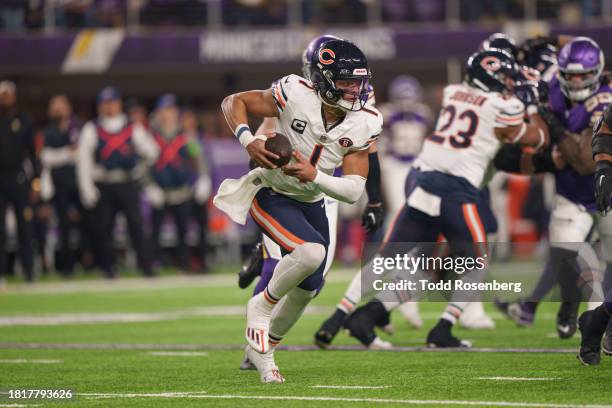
x: 310, y: 254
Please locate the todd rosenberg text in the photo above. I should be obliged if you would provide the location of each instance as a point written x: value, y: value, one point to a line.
x: 457, y: 285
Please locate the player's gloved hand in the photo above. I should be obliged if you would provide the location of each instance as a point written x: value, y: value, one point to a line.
x: 257, y: 151
x: 603, y: 186
x: 373, y: 217
x: 556, y: 129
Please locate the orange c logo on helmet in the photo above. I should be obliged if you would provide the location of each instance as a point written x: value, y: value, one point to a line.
x: 329, y: 60
x: 491, y: 63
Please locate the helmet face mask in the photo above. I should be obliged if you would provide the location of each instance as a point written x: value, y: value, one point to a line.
x: 341, y: 75
x: 581, y: 63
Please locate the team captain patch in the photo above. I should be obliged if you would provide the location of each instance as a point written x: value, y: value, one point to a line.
x: 345, y: 142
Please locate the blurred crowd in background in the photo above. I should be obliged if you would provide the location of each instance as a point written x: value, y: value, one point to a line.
x: 61, y: 192
x: 20, y: 15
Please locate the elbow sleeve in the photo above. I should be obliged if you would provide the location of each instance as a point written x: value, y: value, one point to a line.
x: 346, y: 188
x: 372, y: 184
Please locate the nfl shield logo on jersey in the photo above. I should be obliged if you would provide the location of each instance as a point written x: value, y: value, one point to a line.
x: 345, y: 142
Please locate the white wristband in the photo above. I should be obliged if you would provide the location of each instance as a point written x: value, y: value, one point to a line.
x: 244, y: 135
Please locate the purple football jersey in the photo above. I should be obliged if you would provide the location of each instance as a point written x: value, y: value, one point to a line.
x: 571, y: 185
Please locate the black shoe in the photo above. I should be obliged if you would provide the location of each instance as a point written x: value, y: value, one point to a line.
x: 567, y: 319
x: 441, y: 336
x: 362, y: 321
x: 590, y: 346
x: 606, y: 346
x: 328, y: 330
x: 251, y: 268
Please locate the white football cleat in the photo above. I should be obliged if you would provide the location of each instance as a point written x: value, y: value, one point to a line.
x: 474, y: 317
x: 380, y: 344
x: 259, y: 313
x: 267, y: 368
x: 410, y: 312
x: 246, y: 364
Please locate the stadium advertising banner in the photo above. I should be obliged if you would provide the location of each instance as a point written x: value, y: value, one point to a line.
x: 97, y: 51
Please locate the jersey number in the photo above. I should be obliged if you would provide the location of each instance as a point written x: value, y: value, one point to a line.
x: 462, y: 138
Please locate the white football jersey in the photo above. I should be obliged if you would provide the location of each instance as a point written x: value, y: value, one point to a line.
x: 301, y: 120
x: 464, y: 142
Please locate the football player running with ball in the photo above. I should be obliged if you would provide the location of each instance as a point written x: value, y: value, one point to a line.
x: 328, y: 126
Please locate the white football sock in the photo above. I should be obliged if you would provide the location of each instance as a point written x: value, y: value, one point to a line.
x: 287, y: 313
x: 352, y: 296
x: 454, y: 311
x: 295, y: 267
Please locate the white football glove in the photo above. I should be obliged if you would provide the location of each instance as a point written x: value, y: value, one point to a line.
x: 202, y: 189
x: 90, y: 196
x: 155, y: 195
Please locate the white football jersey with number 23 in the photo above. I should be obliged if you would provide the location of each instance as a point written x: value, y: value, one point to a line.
x: 464, y: 142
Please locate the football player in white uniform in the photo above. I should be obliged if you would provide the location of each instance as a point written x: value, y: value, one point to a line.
x: 266, y: 256
x: 329, y: 126
x: 443, y: 187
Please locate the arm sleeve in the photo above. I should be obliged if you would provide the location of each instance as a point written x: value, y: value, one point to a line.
x: 85, y: 157
x: 372, y: 184
x: 346, y: 188
x: 144, y: 144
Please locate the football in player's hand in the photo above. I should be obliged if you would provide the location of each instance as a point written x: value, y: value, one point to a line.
x: 281, y: 146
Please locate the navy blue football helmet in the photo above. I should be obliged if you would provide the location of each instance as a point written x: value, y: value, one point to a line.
x: 310, y: 49
x: 490, y: 69
x: 340, y: 60
x: 500, y: 41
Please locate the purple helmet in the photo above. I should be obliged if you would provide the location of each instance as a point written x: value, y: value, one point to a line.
x: 581, y: 56
x: 313, y: 46
x: 405, y: 88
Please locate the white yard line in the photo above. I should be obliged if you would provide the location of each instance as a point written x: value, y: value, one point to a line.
x: 146, y: 284
x: 519, y: 378
x: 135, y: 317
x: 96, y: 318
x: 352, y: 387
x: 178, y: 353
x: 202, y: 395
x: 298, y: 348
x: 24, y: 361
